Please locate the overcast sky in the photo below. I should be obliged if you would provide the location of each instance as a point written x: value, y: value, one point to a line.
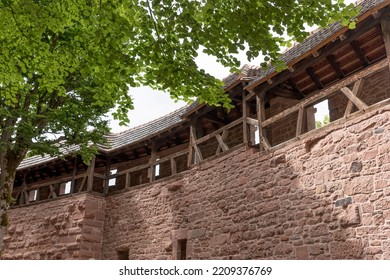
x: 150, y: 104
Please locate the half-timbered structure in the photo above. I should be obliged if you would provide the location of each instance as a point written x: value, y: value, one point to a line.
x: 259, y: 181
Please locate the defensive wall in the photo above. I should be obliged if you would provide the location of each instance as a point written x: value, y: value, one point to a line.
x: 260, y: 181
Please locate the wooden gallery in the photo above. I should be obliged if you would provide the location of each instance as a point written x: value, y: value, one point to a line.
x: 258, y: 182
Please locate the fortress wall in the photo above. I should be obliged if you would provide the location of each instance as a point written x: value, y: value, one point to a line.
x: 326, y: 196
x: 63, y: 228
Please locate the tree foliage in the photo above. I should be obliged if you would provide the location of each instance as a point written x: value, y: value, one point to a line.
x: 65, y: 64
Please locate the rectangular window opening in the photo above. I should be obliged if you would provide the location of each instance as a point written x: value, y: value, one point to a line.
x: 123, y: 254
x: 33, y: 195
x: 182, y: 249
x: 321, y: 114
x: 66, y: 187
x: 112, y: 182
x: 257, y: 136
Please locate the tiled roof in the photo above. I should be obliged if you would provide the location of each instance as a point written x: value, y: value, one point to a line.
x: 247, y: 71
x: 314, y: 40
x: 147, y: 130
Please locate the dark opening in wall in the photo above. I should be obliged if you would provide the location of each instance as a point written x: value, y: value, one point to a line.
x: 123, y: 254
x: 182, y: 249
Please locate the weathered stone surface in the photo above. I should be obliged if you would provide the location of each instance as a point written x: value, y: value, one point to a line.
x: 351, y: 216
x: 350, y: 249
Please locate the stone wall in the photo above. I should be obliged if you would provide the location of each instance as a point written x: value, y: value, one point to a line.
x: 69, y: 227
x: 326, y: 196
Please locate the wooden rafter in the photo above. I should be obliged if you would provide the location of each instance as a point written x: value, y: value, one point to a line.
x: 314, y: 77
x: 330, y: 48
x: 359, y: 53
x: 297, y: 90
x: 332, y: 61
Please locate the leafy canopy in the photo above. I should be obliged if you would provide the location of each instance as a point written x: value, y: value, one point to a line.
x: 65, y: 64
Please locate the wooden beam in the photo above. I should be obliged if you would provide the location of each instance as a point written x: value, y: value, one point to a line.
x: 328, y: 91
x: 173, y: 166
x: 298, y: 92
x: 313, y: 76
x: 223, y: 137
x: 90, y: 172
x: 359, y: 53
x: 385, y: 26
x: 221, y: 143
x: 300, y: 121
x: 356, y: 90
x: 358, y: 102
x: 152, y: 162
x: 107, y: 175
x: 263, y: 143
x: 127, y: 180
x: 74, y: 173
x: 245, y: 110
x: 332, y: 61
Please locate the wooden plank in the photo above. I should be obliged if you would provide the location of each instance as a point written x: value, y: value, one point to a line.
x: 300, y: 121
x: 358, y: 102
x: 222, y: 144
x: 328, y: 91
x: 356, y: 90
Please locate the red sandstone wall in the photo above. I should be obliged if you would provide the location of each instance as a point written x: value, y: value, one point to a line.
x: 324, y: 197
x: 69, y: 227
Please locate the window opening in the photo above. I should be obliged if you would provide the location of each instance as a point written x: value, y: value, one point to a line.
x: 123, y: 254
x: 321, y: 115
x: 33, y: 195
x: 157, y: 169
x: 65, y: 188
x: 182, y: 249
x: 112, y: 182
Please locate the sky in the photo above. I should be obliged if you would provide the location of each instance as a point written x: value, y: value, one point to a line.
x: 150, y: 104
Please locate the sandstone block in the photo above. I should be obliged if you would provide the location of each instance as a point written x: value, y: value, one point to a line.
x: 351, y: 216
x: 350, y: 249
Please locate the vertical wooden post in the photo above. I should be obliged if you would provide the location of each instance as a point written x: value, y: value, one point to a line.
x: 173, y: 166
x: 152, y: 161
x: 127, y: 182
x: 299, y: 128
x: 90, y: 172
x: 244, y: 116
x: 107, y: 175
x: 73, y: 182
x: 263, y: 142
x: 385, y: 25
x: 194, y: 149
